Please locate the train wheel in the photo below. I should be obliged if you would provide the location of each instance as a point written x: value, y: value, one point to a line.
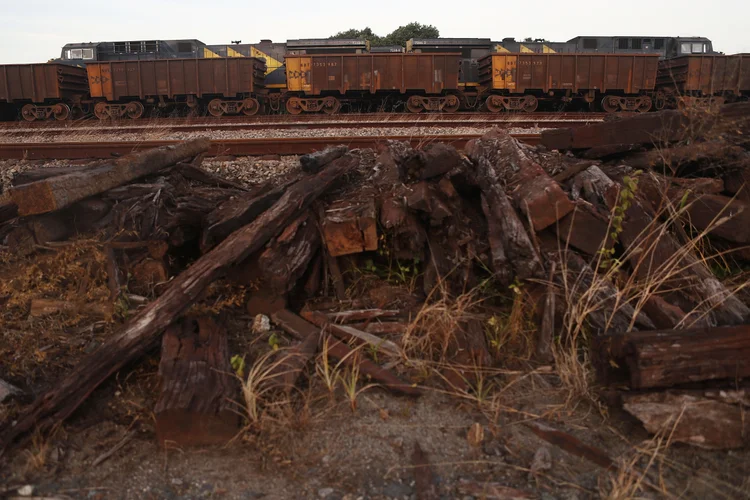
x: 134, y: 110
x: 610, y: 104
x: 331, y: 105
x: 294, y: 105
x: 215, y: 108
x: 530, y: 104
x: 61, y: 111
x: 250, y: 106
x: 451, y: 104
x: 494, y: 104
x: 645, y: 105
x: 414, y: 104
x: 100, y: 110
x: 28, y: 112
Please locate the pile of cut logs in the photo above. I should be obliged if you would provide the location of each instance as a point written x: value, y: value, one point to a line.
x: 526, y: 215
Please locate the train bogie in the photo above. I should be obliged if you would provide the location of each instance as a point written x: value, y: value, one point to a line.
x: 42, y: 91
x: 518, y: 81
x: 225, y: 85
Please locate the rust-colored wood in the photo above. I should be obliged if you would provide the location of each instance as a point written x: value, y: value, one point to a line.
x: 59, y: 192
x: 198, y: 387
x: 664, y: 358
x: 142, y: 332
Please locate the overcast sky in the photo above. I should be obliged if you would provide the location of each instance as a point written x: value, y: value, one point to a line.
x: 35, y: 30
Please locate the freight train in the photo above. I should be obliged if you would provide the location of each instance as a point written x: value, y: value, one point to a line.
x: 133, y: 79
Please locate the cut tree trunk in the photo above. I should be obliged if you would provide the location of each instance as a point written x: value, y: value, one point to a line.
x: 59, y: 192
x: 142, y: 332
x: 669, y: 357
x: 197, y: 386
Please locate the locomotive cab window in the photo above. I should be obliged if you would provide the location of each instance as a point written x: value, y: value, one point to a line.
x: 87, y: 53
x: 75, y: 54
x: 698, y: 48
x: 685, y: 48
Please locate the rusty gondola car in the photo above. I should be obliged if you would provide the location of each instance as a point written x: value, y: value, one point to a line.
x: 703, y: 80
x: 42, y: 91
x: 322, y: 82
x: 620, y: 82
x: 224, y: 86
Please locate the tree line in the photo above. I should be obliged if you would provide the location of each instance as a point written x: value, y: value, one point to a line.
x: 399, y: 36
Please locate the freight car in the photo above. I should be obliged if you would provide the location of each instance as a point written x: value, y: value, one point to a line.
x: 517, y: 82
x: 222, y: 86
x: 42, y: 91
x: 703, y: 80
x: 323, y: 82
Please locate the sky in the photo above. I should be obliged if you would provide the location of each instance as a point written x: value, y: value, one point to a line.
x: 36, y: 30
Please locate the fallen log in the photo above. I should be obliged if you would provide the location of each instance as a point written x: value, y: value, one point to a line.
x: 141, y: 333
x: 313, y: 162
x: 197, y: 386
x: 714, y: 423
x: 300, y: 329
x: 235, y: 213
x: 59, y: 192
x: 664, y: 358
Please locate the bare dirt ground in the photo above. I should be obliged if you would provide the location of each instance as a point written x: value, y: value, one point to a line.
x: 339, y: 436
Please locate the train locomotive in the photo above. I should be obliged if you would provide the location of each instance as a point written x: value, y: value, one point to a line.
x: 159, y: 77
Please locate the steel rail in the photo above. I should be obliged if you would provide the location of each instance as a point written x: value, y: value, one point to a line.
x: 237, y: 147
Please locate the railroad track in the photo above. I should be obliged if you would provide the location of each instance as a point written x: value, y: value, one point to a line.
x: 238, y: 147
x: 376, y: 120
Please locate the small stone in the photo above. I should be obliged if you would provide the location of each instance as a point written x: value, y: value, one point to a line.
x: 7, y: 390
x: 177, y: 481
x: 261, y: 324
x: 542, y: 460
x: 324, y: 492
x: 26, y: 491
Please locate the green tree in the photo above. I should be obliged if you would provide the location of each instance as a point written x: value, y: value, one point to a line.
x: 399, y: 36
x: 402, y: 34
